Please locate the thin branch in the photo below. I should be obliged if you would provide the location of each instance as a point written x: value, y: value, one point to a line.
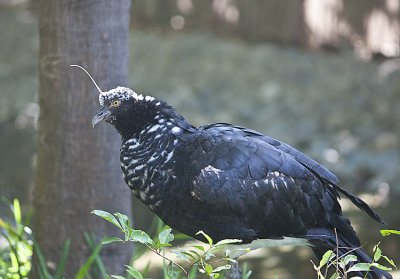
x: 337, y: 252
x: 171, y: 261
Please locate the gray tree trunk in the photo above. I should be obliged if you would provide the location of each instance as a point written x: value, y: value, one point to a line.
x: 77, y: 166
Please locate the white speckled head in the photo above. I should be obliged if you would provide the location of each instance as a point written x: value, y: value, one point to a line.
x: 122, y: 93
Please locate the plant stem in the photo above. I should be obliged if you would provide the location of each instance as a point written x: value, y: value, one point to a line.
x: 166, y: 258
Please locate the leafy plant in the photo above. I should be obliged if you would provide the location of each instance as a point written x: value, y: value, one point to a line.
x: 15, y: 257
x: 42, y: 269
x: 245, y: 272
x: 84, y: 270
x: 344, y: 265
x: 198, y: 258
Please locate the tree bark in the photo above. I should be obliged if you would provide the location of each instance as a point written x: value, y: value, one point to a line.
x: 77, y: 166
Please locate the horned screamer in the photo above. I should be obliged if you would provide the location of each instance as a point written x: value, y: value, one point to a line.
x: 229, y: 181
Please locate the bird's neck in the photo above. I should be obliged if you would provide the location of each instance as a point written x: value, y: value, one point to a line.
x: 147, y: 159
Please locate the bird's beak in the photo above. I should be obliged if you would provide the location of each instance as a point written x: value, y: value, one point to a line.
x: 101, y: 115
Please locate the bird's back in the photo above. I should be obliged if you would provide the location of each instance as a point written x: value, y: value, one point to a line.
x: 236, y: 183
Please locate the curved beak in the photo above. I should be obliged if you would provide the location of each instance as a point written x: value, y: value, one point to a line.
x: 101, y: 115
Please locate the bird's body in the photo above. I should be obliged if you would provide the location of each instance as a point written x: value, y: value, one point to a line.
x: 230, y: 182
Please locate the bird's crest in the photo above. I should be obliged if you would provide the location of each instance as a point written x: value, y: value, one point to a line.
x: 120, y: 92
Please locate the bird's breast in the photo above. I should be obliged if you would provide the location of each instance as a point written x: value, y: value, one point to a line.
x: 148, y: 170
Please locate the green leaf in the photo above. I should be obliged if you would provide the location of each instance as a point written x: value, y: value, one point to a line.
x: 107, y: 216
x: 118, y: 277
x: 227, y: 241
x: 42, y: 262
x: 326, y: 258
x: 134, y: 272
x: 172, y: 271
x: 193, y: 273
x: 90, y: 240
x: 360, y: 267
x: 165, y: 237
x: 194, y: 256
x: 246, y: 275
x: 42, y: 274
x: 246, y: 272
x: 124, y: 221
x: 208, y: 268
x: 209, y: 240
x: 195, y: 253
x: 17, y: 212
x: 377, y: 253
x: 61, y: 265
x: 14, y: 263
x: 390, y: 261
x: 180, y: 255
x: 389, y: 232
x: 140, y: 236
x: 4, y: 225
x: 222, y: 267
x: 110, y: 239
x: 199, y: 247
x: 348, y: 259
x: 382, y: 267
x: 84, y: 270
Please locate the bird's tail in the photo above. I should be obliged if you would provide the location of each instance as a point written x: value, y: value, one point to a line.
x: 341, y: 250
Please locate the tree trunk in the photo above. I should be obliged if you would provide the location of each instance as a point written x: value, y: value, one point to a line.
x: 77, y: 166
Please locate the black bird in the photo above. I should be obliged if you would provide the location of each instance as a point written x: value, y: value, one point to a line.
x: 229, y: 181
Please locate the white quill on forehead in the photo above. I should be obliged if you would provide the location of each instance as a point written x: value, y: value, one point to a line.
x: 95, y: 84
x: 118, y: 92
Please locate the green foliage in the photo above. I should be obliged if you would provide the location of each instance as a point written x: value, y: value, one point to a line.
x: 199, y: 258
x: 245, y: 272
x: 15, y: 257
x: 83, y: 272
x: 42, y: 269
x: 344, y: 265
x: 389, y: 232
x: 94, y: 258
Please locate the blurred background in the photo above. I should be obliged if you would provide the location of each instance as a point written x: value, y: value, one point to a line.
x: 321, y: 75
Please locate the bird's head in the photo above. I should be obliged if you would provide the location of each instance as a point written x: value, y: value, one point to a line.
x: 126, y: 110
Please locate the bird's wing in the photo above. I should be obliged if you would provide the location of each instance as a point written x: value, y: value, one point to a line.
x: 323, y: 173
x: 269, y: 186
x: 233, y: 146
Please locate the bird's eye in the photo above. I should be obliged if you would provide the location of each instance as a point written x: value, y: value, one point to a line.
x: 115, y: 103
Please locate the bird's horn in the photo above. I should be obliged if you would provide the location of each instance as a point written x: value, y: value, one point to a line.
x: 80, y: 67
